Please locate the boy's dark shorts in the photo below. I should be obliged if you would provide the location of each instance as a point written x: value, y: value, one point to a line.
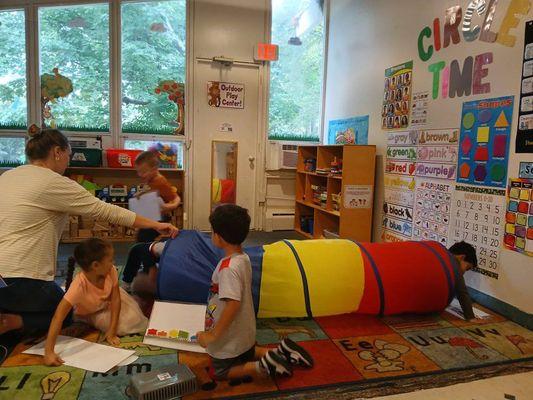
x: 221, y: 366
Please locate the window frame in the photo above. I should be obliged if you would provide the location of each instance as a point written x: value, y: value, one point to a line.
x: 115, y: 134
x: 322, y: 129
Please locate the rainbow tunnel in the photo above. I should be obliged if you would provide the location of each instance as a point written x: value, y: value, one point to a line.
x: 318, y: 277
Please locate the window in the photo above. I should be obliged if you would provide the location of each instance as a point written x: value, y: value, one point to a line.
x: 12, y: 71
x: 74, y: 67
x: 153, y: 67
x: 12, y: 151
x: 170, y: 152
x: 296, y: 78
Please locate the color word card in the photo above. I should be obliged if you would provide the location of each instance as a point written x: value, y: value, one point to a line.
x: 433, y: 201
x: 477, y: 218
x: 484, y: 142
x: 519, y: 216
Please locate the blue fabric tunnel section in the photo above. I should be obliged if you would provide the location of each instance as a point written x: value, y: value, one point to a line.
x: 187, y: 265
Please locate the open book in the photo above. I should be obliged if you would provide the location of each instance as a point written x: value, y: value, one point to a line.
x: 174, y: 325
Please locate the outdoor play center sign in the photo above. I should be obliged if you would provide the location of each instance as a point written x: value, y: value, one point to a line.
x: 451, y: 80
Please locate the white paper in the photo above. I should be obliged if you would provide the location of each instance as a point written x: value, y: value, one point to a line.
x: 148, y: 205
x: 128, y: 361
x: 455, y: 309
x: 82, y: 354
x: 167, y: 316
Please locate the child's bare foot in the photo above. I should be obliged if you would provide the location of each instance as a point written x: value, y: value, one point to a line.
x: 10, y: 322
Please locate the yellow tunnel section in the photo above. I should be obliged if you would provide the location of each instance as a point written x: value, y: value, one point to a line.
x: 304, y: 278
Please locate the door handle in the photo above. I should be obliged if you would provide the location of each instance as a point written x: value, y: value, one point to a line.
x: 251, y: 158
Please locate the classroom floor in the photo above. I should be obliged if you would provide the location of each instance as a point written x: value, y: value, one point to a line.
x: 356, y: 356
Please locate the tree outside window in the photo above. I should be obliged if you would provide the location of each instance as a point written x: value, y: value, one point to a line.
x: 296, y: 78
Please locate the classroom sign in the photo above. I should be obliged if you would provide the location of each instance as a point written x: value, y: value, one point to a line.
x: 484, y: 142
x: 519, y: 216
x: 225, y: 94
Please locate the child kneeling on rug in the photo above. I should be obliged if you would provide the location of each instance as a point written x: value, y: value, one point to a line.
x: 96, y: 298
x: 230, y: 319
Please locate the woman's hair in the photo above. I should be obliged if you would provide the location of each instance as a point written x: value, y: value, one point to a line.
x: 85, y: 254
x: 42, y: 141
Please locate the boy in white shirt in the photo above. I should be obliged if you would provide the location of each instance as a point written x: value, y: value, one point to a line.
x: 229, y: 334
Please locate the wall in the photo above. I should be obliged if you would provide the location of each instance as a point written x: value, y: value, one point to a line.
x: 368, y: 36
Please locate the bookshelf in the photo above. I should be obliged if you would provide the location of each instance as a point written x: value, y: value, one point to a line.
x: 321, y: 195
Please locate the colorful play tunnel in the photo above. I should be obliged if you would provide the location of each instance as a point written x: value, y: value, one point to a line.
x: 319, y: 277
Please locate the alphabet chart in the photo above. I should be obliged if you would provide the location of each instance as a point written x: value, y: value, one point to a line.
x: 433, y: 201
x: 478, y: 215
x: 519, y: 216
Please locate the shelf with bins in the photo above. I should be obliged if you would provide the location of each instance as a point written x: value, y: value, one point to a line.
x: 319, y: 206
x: 80, y: 228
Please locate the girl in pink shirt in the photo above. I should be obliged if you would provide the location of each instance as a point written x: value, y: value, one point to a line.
x: 96, y: 298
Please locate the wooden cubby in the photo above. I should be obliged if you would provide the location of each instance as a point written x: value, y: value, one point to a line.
x: 104, y: 176
x: 358, y: 169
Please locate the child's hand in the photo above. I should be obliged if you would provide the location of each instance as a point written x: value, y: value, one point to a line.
x: 205, y: 338
x: 52, y: 359
x: 112, y: 339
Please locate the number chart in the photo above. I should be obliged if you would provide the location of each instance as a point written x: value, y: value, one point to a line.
x: 477, y: 218
x: 519, y: 216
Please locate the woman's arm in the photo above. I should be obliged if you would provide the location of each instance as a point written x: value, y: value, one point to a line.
x: 62, y: 310
x: 111, y: 334
x: 163, y: 228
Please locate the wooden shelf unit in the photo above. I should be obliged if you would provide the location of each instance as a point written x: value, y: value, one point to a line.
x: 358, y: 169
x: 104, y: 176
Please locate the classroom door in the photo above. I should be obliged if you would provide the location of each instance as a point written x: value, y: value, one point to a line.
x: 223, y: 126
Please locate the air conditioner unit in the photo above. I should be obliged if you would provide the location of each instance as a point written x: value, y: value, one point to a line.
x: 279, y: 220
x: 85, y: 143
x: 282, y: 156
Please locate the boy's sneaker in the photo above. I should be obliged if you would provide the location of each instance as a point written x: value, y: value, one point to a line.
x: 294, y: 353
x: 274, y: 364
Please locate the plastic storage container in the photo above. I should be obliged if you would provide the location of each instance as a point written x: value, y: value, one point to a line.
x: 85, y: 157
x: 121, y: 158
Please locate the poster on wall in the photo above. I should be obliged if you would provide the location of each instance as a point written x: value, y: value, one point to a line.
x: 524, y: 134
x: 397, y: 96
x: 419, y: 109
x: 477, y: 216
x: 525, y: 170
x: 357, y: 196
x: 519, y: 216
x: 399, y: 181
x: 437, y: 153
x: 225, y: 94
x: 348, y: 131
x: 484, y: 142
x: 433, y: 201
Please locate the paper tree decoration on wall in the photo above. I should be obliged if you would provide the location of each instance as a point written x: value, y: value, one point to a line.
x: 176, y: 94
x: 53, y: 87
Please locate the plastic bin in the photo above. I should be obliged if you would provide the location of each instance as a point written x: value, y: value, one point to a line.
x: 121, y: 158
x: 85, y: 157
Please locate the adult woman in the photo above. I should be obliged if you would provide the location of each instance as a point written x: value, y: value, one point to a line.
x: 34, y: 207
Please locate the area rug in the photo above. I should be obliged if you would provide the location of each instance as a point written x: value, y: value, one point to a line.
x: 347, y: 349
x: 509, y: 387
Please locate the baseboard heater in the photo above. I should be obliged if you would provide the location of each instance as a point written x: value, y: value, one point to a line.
x: 279, y: 220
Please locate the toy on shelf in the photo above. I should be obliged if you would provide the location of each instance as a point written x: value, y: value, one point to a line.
x: 167, y: 154
x: 310, y: 164
x: 336, y: 201
x: 336, y: 166
x: 118, y: 193
x: 320, y: 195
x: 307, y: 224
